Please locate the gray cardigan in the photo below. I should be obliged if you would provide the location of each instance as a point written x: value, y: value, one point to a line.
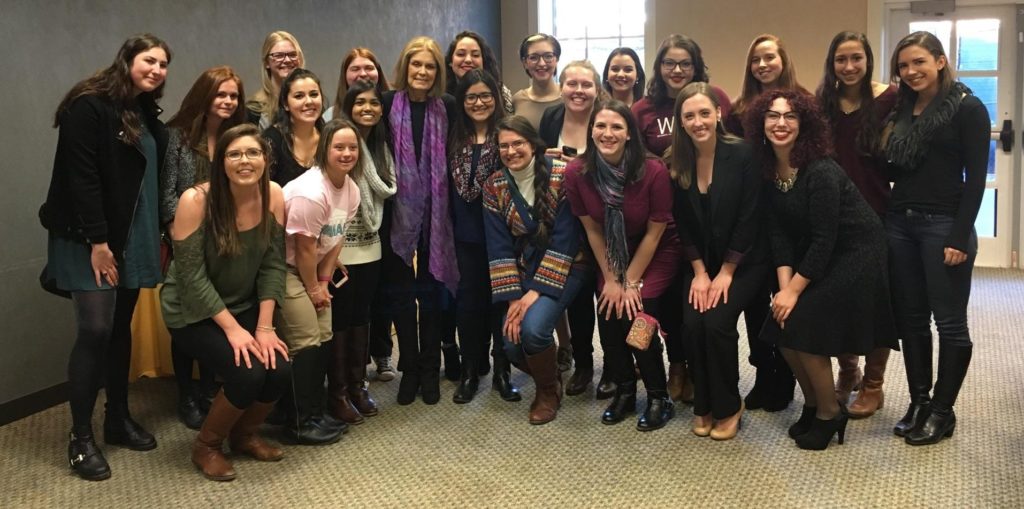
x: 183, y: 168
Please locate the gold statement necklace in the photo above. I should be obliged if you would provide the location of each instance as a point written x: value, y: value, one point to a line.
x: 785, y: 185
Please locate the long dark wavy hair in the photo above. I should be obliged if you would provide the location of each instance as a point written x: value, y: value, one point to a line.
x: 684, y: 152
x: 221, y: 210
x: 812, y: 143
x: 191, y: 116
x: 491, y: 64
x: 115, y: 83
x: 657, y: 89
x: 641, y: 78
x: 463, y: 130
x: 634, y: 155
x: 869, y: 131
x: 378, y: 141
x: 544, y: 215
x: 283, y: 119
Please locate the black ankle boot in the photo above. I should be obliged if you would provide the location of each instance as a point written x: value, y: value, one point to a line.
x: 189, y: 412
x: 605, y: 387
x: 502, y: 379
x: 759, y: 394
x: 803, y: 424
x: 937, y: 425
x: 914, y: 417
x: 408, y: 386
x: 430, y: 386
x: 84, y: 457
x: 622, y: 404
x: 659, y: 411
x: 452, y: 363
x: 120, y: 429
x: 820, y: 435
x: 468, y: 384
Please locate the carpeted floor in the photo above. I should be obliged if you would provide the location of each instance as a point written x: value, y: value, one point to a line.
x: 484, y: 454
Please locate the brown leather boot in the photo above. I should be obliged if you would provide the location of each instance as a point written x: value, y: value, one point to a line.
x: 544, y: 368
x: 357, y: 355
x: 245, y: 438
x: 871, y: 398
x: 207, y: 455
x: 339, y: 404
x: 850, y: 377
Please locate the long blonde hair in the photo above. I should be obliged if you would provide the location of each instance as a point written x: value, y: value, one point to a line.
x: 265, y: 100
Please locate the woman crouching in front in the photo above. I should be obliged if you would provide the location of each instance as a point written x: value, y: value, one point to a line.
x: 533, y: 245
x: 220, y: 293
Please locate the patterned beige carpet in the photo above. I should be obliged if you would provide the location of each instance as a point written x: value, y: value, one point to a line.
x: 484, y: 454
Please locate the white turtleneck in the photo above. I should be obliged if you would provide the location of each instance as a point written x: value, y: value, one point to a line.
x: 524, y: 181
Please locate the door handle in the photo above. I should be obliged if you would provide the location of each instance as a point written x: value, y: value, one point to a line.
x: 1006, y: 136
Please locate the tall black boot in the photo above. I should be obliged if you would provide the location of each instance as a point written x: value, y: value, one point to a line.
x: 302, y: 426
x: 782, y: 385
x: 917, y: 358
x: 502, y: 379
x: 941, y: 421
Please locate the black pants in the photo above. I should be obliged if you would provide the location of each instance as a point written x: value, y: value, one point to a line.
x: 206, y: 341
x: 419, y: 350
x: 350, y: 304
x: 478, y: 320
x: 380, y: 308
x: 618, y: 353
x: 102, y: 351
x: 581, y: 323
x: 712, y: 343
x: 672, y: 322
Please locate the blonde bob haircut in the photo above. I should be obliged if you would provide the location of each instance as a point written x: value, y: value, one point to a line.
x: 414, y: 46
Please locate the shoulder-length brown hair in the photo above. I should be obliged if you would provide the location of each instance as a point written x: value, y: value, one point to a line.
x: 357, y: 52
x: 221, y: 210
x: 323, y: 147
x: 753, y: 88
x: 191, y: 116
x: 414, y: 46
x: 812, y: 143
x: 115, y: 83
x: 684, y: 152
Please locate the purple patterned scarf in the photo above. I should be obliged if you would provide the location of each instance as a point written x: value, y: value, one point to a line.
x: 468, y: 183
x: 610, y: 182
x: 423, y: 189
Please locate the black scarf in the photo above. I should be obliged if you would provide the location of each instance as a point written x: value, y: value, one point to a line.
x: 909, y: 139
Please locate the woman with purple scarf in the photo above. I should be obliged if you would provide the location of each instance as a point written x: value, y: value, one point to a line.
x: 419, y: 114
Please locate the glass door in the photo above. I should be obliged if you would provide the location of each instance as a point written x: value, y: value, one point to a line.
x: 981, y: 45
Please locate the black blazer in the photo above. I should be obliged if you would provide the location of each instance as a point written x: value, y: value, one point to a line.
x: 734, y: 232
x: 551, y: 125
x: 97, y: 176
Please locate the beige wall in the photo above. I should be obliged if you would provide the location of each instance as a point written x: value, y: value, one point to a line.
x: 723, y: 28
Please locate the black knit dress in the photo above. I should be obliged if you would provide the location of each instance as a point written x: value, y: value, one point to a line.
x: 824, y: 229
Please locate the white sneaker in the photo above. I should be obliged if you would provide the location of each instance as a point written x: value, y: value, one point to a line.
x: 385, y: 373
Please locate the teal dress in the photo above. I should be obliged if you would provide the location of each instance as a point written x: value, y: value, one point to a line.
x: 69, y: 262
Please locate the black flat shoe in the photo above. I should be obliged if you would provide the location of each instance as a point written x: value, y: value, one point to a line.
x: 466, y: 390
x: 579, y: 381
x: 312, y: 431
x: 330, y: 422
x: 125, y: 432
x: 803, y: 424
x: 408, y: 387
x: 190, y: 413
x: 605, y: 388
x: 916, y: 414
x: 659, y: 411
x: 935, y: 427
x: 85, y: 458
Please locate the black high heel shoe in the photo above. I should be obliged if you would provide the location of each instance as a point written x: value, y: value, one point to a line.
x: 936, y: 426
x: 820, y: 435
x: 803, y: 424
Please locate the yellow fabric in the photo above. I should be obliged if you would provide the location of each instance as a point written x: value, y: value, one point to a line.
x: 151, y: 343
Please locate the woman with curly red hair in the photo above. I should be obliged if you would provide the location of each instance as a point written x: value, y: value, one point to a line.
x: 829, y: 246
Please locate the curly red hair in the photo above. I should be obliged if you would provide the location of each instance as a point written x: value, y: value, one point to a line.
x: 812, y: 143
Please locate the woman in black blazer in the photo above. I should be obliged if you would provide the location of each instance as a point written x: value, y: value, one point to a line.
x: 717, y: 197
x: 102, y: 215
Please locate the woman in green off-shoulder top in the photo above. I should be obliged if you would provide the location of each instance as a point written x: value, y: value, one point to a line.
x: 221, y: 291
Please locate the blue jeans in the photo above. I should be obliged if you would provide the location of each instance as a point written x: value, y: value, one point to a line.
x: 538, y: 329
x: 923, y: 286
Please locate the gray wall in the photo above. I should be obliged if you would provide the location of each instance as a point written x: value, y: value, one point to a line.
x: 63, y: 41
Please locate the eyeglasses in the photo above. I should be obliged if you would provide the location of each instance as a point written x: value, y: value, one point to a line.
x: 670, y: 65
x: 788, y: 117
x: 249, y: 153
x: 281, y: 56
x: 515, y: 145
x: 534, y: 58
x: 486, y: 98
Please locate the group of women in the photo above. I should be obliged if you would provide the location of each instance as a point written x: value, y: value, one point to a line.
x: 300, y: 235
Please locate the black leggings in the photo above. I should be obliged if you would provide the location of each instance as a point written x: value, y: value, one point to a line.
x: 350, y: 304
x: 206, y: 341
x: 103, y: 345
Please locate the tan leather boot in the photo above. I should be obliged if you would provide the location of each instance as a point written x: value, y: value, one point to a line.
x: 871, y: 398
x: 207, y: 455
x: 245, y: 438
x: 544, y: 369
x: 849, y: 378
x: 676, y: 379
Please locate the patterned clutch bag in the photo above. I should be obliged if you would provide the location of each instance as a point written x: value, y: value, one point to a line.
x: 643, y: 329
